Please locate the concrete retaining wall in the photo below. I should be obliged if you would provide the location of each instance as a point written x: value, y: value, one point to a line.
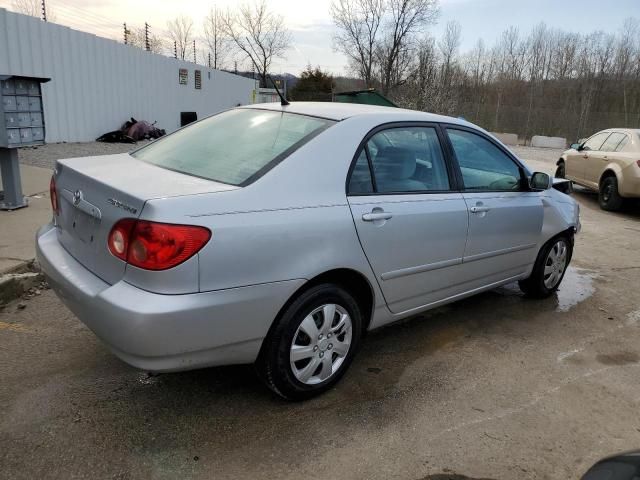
x: 506, y: 138
x: 96, y: 84
x: 548, y: 142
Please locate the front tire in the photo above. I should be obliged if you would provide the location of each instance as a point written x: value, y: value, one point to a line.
x: 609, y: 197
x: 312, y: 343
x: 560, y: 171
x: 549, y: 269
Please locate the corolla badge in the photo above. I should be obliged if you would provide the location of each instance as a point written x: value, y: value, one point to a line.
x: 77, y: 197
x: 124, y: 206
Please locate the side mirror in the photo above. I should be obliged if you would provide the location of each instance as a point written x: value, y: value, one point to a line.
x: 540, y: 181
x: 576, y: 146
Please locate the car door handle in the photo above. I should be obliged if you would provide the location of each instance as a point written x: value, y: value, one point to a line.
x: 372, y: 217
x: 479, y: 209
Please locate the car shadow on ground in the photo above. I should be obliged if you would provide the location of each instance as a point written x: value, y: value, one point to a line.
x: 383, y: 357
x: 589, y: 199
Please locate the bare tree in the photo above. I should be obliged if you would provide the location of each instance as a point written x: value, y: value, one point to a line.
x: 217, y: 40
x: 180, y: 32
x: 259, y: 34
x: 135, y: 37
x: 33, y: 8
x: 358, y: 22
x: 379, y: 37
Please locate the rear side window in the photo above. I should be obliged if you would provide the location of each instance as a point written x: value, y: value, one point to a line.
x: 483, y: 165
x: 403, y: 160
x: 408, y: 159
x: 612, y: 142
x: 595, y: 142
x: 233, y: 147
x: 361, y: 182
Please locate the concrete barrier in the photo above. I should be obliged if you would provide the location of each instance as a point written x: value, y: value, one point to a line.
x: 548, y: 142
x: 506, y: 138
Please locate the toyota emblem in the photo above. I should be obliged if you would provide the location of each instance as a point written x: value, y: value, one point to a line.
x: 77, y: 196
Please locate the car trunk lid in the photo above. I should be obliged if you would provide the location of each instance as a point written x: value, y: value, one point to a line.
x: 96, y: 192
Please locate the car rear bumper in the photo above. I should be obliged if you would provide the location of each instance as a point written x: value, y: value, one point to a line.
x: 158, y: 332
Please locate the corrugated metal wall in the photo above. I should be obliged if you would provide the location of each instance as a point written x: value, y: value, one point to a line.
x: 96, y: 84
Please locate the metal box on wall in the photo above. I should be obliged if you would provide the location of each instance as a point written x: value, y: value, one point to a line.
x: 21, y: 113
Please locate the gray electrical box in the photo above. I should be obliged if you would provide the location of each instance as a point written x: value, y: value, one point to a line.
x: 22, y: 117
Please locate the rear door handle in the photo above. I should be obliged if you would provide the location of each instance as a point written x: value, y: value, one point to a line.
x: 372, y: 217
x: 479, y: 209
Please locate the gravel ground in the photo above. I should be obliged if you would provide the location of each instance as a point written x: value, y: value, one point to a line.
x: 546, y: 155
x: 45, y: 156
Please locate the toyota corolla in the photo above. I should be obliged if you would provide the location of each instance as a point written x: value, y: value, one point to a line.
x: 279, y: 235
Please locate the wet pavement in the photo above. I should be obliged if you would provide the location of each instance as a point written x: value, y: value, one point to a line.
x: 497, y: 386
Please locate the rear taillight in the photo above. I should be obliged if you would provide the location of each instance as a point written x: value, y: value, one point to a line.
x: 155, y: 246
x: 53, y: 194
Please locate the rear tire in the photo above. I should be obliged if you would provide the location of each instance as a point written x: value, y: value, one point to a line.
x: 322, y: 328
x: 560, y: 171
x: 609, y: 197
x: 549, y: 269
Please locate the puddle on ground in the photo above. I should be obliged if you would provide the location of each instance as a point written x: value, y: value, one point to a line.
x: 576, y: 286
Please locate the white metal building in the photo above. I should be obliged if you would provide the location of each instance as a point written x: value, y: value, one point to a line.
x: 96, y: 84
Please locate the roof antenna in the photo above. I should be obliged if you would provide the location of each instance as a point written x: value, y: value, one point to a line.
x: 283, y: 101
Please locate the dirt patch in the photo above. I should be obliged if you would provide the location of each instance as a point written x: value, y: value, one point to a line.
x: 621, y: 358
x: 450, y: 476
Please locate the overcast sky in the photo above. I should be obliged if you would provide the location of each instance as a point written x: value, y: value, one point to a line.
x: 312, y: 29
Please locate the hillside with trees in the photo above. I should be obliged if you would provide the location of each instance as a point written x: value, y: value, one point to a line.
x: 542, y: 82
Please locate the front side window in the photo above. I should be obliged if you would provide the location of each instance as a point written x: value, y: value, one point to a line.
x: 595, y: 142
x: 612, y: 142
x: 408, y: 159
x: 483, y: 165
x: 235, y: 146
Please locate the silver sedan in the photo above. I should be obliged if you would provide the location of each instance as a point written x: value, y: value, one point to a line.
x: 279, y: 235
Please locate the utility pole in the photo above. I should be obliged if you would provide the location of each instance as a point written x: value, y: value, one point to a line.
x: 146, y: 36
x: 126, y: 34
x: 209, y: 62
x: 194, y: 51
x: 44, y: 11
x: 175, y: 49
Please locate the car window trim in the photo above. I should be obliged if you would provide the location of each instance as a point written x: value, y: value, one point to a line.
x: 624, y: 137
x: 524, y: 171
x: 453, y: 182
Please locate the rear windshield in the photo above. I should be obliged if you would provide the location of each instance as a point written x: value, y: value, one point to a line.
x: 234, y: 147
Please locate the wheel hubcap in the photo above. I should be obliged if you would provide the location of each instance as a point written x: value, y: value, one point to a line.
x: 321, y: 344
x: 555, y: 264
